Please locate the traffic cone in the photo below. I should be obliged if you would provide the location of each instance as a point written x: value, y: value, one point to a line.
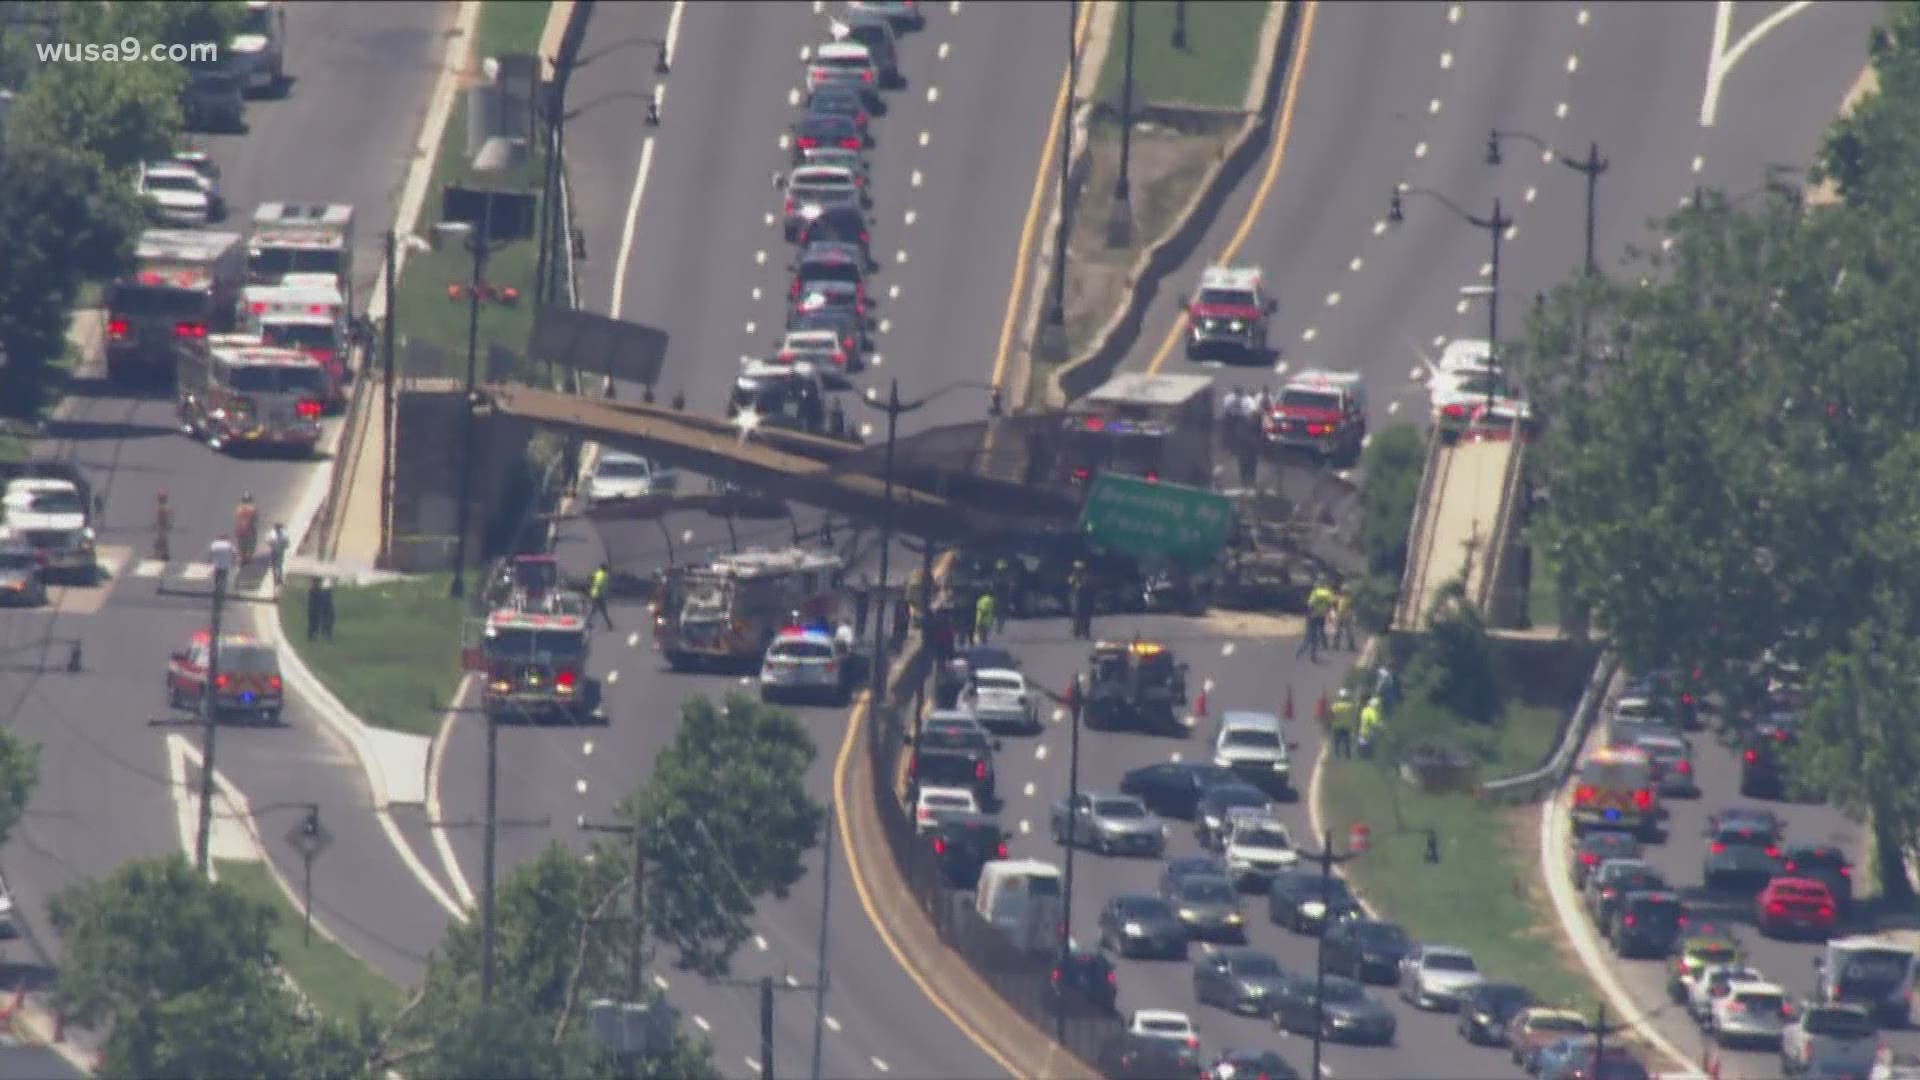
x: 1287, y: 713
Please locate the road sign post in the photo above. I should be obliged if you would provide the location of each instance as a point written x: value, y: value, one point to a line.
x: 309, y: 838
x: 1187, y: 526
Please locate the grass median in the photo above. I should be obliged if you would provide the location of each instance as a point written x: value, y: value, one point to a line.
x: 1212, y: 71
x: 395, y: 651
x: 334, y: 980
x: 429, y: 314
x: 1485, y: 892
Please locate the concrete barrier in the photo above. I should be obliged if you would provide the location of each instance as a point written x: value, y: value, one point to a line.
x: 1097, y: 363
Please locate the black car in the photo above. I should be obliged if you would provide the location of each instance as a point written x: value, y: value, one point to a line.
x: 1240, y: 980
x: 829, y: 262
x: 948, y: 757
x: 1485, y: 1010
x: 1307, y: 903
x: 1760, y: 822
x: 1172, y: 788
x: 1597, y: 846
x: 1210, y: 815
x: 964, y: 843
x: 875, y: 31
x: 852, y: 330
x: 1181, y: 867
x: 1135, y: 925
x: 825, y: 129
x: 1086, y: 980
x: 1740, y: 857
x: 1345, y: 1013
x: 834, y: 100
x: 212, y: 99
x: 1143, y: 1057
x: 1763, y: 768
x: 1613, y: 881
x: 826, y: 295
x: 1647, y: 924
x: 1209, y: 908
x: 1367, y: 949
x: 1823, y: 863
x: 840, y: 225
x: 1241, y: 1064
x: 1676, y: 692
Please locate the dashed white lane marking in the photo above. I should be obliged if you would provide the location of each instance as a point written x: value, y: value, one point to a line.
x: 1560, y: 111
x: 614, y: 676
x: 756, y: 292
x: 1379, y: 227
x: 701, y: 1022
x: 580, y: 786
x: 1460, y: 308
x: 1438, y: 340
x: 1333, y: 299
x: 1366, y: 440
x: 753, y: 328
x: 954, y: 7
x: 1174, y: 757
x: 753, y: 1064
x: 793, y: 96
x: 900, y: 256
x: 819, y: 6
x: 1666, y: 243
x: 1453, y: 13
x: 1227, y: 649
x: 876, y: 360
x: 925, y: 138
x: 1309, y: 334
x: 1513, y: 231
x: 1026, y: 827
x: 660, y: 984
x: 760, y: 257
x: 933, y: 94
x: 1433, y: 107
x: 1039, y: 753
x: 866, y: 431
x: 893, y: 292
x: 1531, y: 194
x: 1356, y: 264
x: 1446, y: 61
x: 1573, y: 64
x: 791, y: 981
x: 914, y: 178
x: 832, y: 1024
x: 806, y: 53
x: 633, y: 639
x: 1699, y: 163
x: 911, y: 216
x: 1420, y: 150
x: 1280, y: 368
x: 1584, y: 17
x: 1419, y: 374
x: 784, y: 141
x: 943, y: 50
x: 1207, y: 686
x: 768, y: 219
x: 1392, y: 407
x: 1058, y: 715
x: 586, y: 747
x: 1486, y: 269
x: 1546, y: 156
x: 885, y: 326
x: 1028, y: 790
x: 760, y: 943
x: 879, y: 1065
x: 149, y: 568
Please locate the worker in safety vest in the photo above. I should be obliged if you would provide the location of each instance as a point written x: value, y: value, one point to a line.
x: 1340, y: 719
x: 1319, y: 605
x: 597, y: 593
x: 1371, y: 725
x: 983, y: 609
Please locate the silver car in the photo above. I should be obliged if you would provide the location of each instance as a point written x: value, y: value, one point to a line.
x: 1753, y: 1013
x: 1110, y: 824
x: 1438, y: 977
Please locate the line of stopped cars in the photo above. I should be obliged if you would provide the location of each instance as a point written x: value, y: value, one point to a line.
x: 1751, y: 873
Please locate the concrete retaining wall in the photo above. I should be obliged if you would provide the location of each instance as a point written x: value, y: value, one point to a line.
x: 426, y: 483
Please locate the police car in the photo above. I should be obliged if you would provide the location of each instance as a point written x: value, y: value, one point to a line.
x: 808, y: 662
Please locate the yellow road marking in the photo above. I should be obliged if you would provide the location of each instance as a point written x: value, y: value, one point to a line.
x: 1275, y: 159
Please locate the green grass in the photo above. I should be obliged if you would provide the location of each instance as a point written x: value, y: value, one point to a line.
x: 395, y: 652
x: 1485, y: 892
x: 337, y: 982
x: 427, y: 314
x: 1223, y: 38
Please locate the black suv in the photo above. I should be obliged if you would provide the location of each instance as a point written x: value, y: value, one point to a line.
x: 1367, y: 950
x: 841, y: 224
x: 1763, y: 773
x: 1647, y: 924
x: 948, y: 757
x: 964, y: 843
x: 1086, y: 980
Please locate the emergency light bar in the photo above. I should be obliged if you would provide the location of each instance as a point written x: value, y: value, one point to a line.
x: 178, y: 279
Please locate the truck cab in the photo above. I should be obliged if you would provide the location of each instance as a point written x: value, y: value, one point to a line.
x: 1228, y: 314
x: 1321, y: 412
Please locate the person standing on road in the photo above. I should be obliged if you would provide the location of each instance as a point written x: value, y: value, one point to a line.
x: 1343, y: 637
x: 1080, y: 598
x: 983, y: 614
x: 597, y: 593
x: 1319, y: 606
x: 1340, y: 718
x: 277, y: 543
x: 162, y: 529
x: 313, y: 608
x: 1371, y: 725
x: 325, y: 606
x: 862, y: 599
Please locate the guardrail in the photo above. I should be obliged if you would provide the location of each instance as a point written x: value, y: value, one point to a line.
x: 1413, y: 577
x: 1530, y: 786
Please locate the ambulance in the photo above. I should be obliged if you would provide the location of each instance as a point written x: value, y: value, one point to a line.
x: 1616, y: 789
x: 304, y: 312
x: 295, y: 238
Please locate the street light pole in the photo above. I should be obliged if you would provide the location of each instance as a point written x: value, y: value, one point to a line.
x: 1328, y: 858
x: 1054, y: 333
x: 1496, y: 227
x: 221, y: 554
x: 1073, y: 834
x: 477, y: 243
x: 894, y: 409
x: 1120, y: 225
x: 1590, y: 166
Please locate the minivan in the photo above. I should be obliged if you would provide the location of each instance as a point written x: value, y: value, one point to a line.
x: 1022, y: 897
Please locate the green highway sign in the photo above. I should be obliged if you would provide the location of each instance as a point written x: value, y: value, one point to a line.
x: 1185, y: 525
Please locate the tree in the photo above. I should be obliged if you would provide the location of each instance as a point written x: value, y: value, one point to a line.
x: 182, y: 972
x: 728, y: 819
x: 121, y: 113
x: 1393, y: 462
x: 19, y: 776
x: 1867, y: 151
x: 1453, y: 665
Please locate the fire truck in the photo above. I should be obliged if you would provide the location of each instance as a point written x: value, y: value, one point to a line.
x: 533, y: 663
x: 294, y: 238
x: 240, y: 393
x: 726, y: 612
x: 1321, y: 412
x: 183, y: 287
x: 1156, y: 427
x: 305, y: 312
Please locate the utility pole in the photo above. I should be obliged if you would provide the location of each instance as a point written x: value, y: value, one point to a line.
x: 1074, y: 697
x: 766, y: 1027
x: 1600, y: 1038
x: 1053, y: 332
x: 221, y: 554
x: 477, y: 244
x: 390, y: 426
x: 636, y: 904
x: 1328, y: 859
x: 1120, y: 225
x: 820, y: 964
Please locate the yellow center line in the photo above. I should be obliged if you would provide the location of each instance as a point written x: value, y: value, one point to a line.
x: 1275, y: 159
x: 856, y: 721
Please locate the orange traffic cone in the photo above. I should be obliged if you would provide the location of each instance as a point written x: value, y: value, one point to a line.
x: 1287, y: 713
x: 1200, y: 705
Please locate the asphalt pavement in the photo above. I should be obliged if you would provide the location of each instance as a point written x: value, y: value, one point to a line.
x: 952, y: 174
x: 360, y: 78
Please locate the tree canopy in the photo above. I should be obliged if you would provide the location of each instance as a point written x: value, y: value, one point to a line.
x: 1733, y: 465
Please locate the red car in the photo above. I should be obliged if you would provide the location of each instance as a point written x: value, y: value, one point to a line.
x: 1790, y: 904
x: 248, y: 682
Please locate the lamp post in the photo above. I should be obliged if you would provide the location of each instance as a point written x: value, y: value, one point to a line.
x: 1053, y: 334
x: 1590, y: 166
x: 895, y: 408
x: 1496, y: 227
x: 220, y: 553
x: 476, y: 244
x: 1120, y: 225
x: 1074, y: 697
x: 1328, y: 858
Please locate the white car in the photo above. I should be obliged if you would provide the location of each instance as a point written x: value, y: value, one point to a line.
x: 1713, y: 983
x: 1829, y: 1036
x: 1258, y: 847
x: 1455, y: 394
x: 1462, y: 354
x: 1163, y: 1024
x: 808, y: 663
x: 1438, y: 977
x: 50, y: 514
x: 178, y: 193
x: 1751, y: 1013
x: 821, y: 347
x: 202, y: 162
x: 619, y: 475
x: 999, y: 699
x: 1889, y: 1064
x: 935, y: 801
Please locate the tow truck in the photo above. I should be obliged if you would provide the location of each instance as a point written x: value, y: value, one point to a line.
x: 1321, y: 412
x: 1136, y: 684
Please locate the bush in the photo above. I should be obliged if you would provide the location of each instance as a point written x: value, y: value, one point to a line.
x: 1393, y: 462
x: 1452, y: 667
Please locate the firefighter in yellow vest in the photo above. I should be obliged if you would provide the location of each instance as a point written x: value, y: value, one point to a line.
x: 1371, y: 724
x: 1340, y: 718
x: 1319, y: 605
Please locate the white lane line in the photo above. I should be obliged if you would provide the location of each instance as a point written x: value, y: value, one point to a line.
x: 791, y: 981
x: 580, y: 787
x: 1026, y: 827
x: 1420, y: 150
x: 1486, y: 269
x: 1532, y: 193
x: 1699, y: 163
x: 1546, y: 156
x: 1175, y: 757
x: 1059, y: 715
x: 1573, y: 64
x: 1309, y: 334
x: 767, y: 219
x: 753, y: 1065
x: 1584, y: 17
x: 1379, y: 228
x: 1433, y: 107
x: 893, y: 292
x: 785, y: 140
x: 832, y: 1024
x: 1446, y: 61
x: 1039, y: 753
x: 1333, y: 299
x: 618, y: 299
x: 913, y: 180
x: 760, y: 259
x: 911, y: 217
x: 1560, y: 111
x: 793, y: 96
x: 879, y: 1065
x: 660, y: 984
x: 1356, y: 264
x: 900, y: 256
x: 1513, y: 231
x: 701, y: 1022
x: 1028, y: 790
x: 1228, y: 649
x: 633, y: 640
x: 756, y: 292
x: 933, y: 94
x: 886, y: 326
x: 612, y: 677
x: 806, y: 53
x: 1720, y: 59
x: 925, y: 138
x: 954, y: 7
x: 1460, y: 308
x: 1453, y: 13
x: 753, y: 327
x: 673, y: 30
x: 760, y: 943
x: 1392, y: 407
x: 149, y: 568
x: 943, y: 50
x: 586, y: 747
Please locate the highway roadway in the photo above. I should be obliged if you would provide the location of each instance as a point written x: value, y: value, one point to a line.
x: 344, y: 133
x: 682, y: 234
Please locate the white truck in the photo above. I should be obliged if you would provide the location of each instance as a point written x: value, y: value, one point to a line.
x: 1874, y: 972
x: 52, y: 515
x: 302, y: 238
x: 259, y: 47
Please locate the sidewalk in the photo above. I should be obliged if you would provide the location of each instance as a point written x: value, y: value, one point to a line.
x: 358, y: 518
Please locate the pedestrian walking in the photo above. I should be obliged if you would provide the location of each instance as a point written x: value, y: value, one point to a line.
x: 1340, y: 720
x: 1343, y: 636
x: 983, y: 616
x: 862, y: 599
x: 325, y: 607
x: 1319, y: 607
x: 597, y: 593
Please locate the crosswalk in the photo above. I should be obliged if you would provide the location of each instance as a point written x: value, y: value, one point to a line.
x: 117, y: 564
